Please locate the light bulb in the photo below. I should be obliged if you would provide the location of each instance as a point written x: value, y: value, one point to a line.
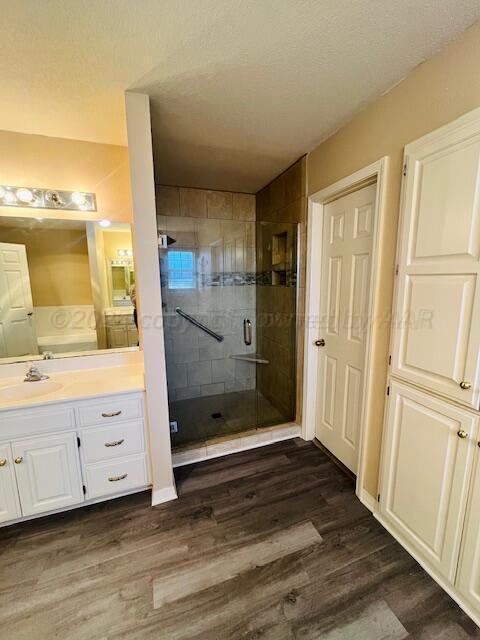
x: 79, y: 199
x: 24, y: 195
x: 104, y: 223
x: 9, y: 198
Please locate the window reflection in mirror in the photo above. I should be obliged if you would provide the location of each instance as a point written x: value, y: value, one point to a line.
x: 66, y: 286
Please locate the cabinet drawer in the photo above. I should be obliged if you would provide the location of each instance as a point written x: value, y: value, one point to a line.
x: 112, y: 441
x: 36, y: 421
x: 110, y: 410
x: 116, y: 476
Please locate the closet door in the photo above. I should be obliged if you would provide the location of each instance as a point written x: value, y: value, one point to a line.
x: 437, y: 320
x: 426, y: 467
x: 468, y: 581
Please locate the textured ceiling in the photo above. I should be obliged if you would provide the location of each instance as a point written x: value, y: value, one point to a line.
x: 239, y: 89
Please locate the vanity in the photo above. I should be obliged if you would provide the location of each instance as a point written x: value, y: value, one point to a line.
x: 75, y: 438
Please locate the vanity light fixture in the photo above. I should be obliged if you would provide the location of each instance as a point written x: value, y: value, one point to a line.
x: 104, y: 223
x: 125, y: 253
x: 46, y: 198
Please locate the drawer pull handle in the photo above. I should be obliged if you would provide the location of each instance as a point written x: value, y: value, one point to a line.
x: 111, y: 414
x: 117, y: 478
x: 114, y: 443
x: 3, y: 462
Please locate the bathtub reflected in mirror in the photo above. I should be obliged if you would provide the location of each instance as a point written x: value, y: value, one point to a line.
x: 66, y: 287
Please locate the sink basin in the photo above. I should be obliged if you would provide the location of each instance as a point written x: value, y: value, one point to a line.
x: 26, y: 390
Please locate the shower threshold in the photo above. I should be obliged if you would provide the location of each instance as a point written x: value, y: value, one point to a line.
x: 233, y: 443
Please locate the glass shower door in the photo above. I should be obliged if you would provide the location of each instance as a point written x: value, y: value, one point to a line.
x: 208, y: 294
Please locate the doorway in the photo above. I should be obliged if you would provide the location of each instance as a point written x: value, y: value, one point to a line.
x: 344, y: 222
x: 345, y: 287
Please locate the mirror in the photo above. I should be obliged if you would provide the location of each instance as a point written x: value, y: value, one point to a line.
x: 66, y: 288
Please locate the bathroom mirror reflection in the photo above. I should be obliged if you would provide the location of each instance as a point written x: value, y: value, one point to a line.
x: 66, y: 287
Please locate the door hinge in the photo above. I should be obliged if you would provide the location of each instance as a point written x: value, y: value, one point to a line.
x: 84, y: 490
x: 378, y: 498
x: 388, y: 390
x: 405, y: 169
x: 396, y: 270
x: 389, y: 359
x: 79, y: 444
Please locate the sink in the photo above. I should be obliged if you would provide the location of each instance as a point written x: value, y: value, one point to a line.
x: 26, y: 390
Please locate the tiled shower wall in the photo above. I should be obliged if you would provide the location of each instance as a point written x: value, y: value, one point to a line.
x: 217, y: 230
x: 280, y: 335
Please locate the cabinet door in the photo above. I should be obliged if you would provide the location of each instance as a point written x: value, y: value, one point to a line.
x: 427, y: 460
x: 48, y: 472
x: 468, y: 580
x: 9, y: 504
x: 437, y: 339
x: 117, y: 337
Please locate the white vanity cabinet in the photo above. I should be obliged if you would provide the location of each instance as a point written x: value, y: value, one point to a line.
x: 60, y: 455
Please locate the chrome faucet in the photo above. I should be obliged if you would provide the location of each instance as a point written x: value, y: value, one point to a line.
x: 34, y: 375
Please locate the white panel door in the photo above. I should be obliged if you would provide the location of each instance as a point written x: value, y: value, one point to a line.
x: 468, y: 579
x: 48, y: 472
x: 9, y: 504
x: 437, y: 341
x: 426, y: 465
x: 17, y: 329
x: 345, y: 283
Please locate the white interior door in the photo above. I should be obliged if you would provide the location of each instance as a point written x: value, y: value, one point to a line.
x: 427, y: 461
x: 48, y: 472
x: 17, y: 327
x: 345, y: 282
x: 9, y: 504
x: 437, y: 341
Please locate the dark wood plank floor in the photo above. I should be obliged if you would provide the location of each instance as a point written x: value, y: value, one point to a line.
x: 269, y: 544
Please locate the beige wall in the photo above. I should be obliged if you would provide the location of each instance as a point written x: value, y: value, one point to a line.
x: 435, y: 93
x: 114, y: 240
x: 57, y: 264
x: 72, y: 165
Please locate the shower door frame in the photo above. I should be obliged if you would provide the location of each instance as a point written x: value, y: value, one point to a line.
x: 316, y: 205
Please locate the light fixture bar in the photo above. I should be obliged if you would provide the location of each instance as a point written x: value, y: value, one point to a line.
x: 35, y: 198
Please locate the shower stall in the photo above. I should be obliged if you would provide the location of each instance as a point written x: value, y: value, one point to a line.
x: 229, y: 289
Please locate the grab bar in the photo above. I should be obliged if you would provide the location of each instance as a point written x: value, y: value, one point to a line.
x: 198, y: 324
x: 247, y: 332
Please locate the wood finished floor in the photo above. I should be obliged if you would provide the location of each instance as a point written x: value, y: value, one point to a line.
x: 269, y: 544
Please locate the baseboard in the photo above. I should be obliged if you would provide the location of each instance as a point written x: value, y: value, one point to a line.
x: 367, y: 500
x: 163, y: 495
x: 440, y: 580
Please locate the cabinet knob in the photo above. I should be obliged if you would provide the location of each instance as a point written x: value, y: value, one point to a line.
x: 19, y: 460
x: 3, y: 462
x: 462, y: 434
x: 465, y: 385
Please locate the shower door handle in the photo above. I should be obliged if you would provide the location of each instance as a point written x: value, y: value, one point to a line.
x: 247, y: 332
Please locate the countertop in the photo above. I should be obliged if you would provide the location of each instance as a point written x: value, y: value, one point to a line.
x: 78, y: 385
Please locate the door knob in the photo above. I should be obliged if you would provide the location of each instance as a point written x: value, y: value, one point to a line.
x: 465, y: 385
x: 320, y: 343
x: 18, y: 460
x: 462, y: 434
x: 3, y: 462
